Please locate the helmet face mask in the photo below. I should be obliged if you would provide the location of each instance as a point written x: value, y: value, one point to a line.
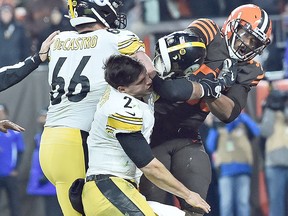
x: 91, y: 11
x: 247, y: 32
x: 179, y: 54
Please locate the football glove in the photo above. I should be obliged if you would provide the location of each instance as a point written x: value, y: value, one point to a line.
x: 228, y: 73
x: 212, y: 87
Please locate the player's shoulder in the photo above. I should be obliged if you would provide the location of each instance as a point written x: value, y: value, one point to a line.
x: 205, y: 23
x: 250, y: 73
x: 207, y: 29
x: 123, y: 33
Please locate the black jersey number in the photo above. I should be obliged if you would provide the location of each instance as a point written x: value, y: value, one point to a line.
x: 127, y: 105
x: 58, y: 82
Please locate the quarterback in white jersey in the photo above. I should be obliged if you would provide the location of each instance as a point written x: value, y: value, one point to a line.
x: 77, y: 81
x: 118, y: 145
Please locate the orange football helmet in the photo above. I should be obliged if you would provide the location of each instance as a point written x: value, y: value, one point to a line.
x: 247, y: 32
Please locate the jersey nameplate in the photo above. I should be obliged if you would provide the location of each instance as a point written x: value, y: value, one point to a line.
x: 76, y: 43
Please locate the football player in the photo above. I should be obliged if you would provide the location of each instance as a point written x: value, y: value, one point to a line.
x: 118, y: 144
x: 77, y: 81
x: 175, y: 139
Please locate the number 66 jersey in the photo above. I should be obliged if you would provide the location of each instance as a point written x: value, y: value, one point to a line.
x: 76, y: 75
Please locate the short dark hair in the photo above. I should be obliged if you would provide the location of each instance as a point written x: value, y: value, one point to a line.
x: 122, y: 70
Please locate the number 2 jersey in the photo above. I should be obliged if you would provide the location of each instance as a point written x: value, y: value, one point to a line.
x: 76, y: 74
x: 117, y: 113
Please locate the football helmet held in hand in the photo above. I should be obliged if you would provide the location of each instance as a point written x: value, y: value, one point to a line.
x: 179, y: 54
x: 247, y: 32
x: 101, y: 11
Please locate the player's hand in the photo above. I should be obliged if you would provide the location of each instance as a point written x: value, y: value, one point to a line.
x: 6, y: 124
x: 43, y: 53
x: 197, y: 202
x: 228, y: 73
x: 212, y: 87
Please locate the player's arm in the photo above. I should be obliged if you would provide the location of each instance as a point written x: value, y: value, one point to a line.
x: 230, y: 105
x: 180, y: 89
x: 196, y: 87
x: 139, y: 151
x: 227, y: 107
x: 11, y: 75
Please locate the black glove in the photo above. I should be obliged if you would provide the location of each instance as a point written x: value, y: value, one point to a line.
x: 194, y: 78
x: 212, y: 87
x: 228, y: 73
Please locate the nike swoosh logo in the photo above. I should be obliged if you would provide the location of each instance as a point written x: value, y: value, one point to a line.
x: 133, y: 114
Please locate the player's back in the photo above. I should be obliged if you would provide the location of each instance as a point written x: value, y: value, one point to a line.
x: 76, y: 75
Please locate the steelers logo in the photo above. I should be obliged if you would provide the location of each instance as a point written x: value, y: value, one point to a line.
x: 182, y: 51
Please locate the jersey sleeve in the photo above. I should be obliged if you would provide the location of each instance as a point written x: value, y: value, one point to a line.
x: 127, y: 119
x: 250, y: 74
x: 129, y: 43
x: 11, y: 75
x: 207, y: 29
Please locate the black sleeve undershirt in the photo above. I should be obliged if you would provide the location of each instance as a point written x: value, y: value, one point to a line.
x: 173, y: 90
x: 136, y: 147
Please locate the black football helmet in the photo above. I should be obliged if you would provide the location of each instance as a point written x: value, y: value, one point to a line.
x: 103, y: 11
x: 179, y: 54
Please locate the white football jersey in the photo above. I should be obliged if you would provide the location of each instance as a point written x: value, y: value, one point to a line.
x: 76, y: 74
x: 117, y: 113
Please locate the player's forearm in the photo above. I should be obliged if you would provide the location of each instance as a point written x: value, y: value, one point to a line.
x: 221, y: 107
x: 11, y: 75
x: 177, y: 89
x: 157, y: 173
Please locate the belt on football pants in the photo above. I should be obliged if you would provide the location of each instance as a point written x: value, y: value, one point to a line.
x: 101, y: 177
